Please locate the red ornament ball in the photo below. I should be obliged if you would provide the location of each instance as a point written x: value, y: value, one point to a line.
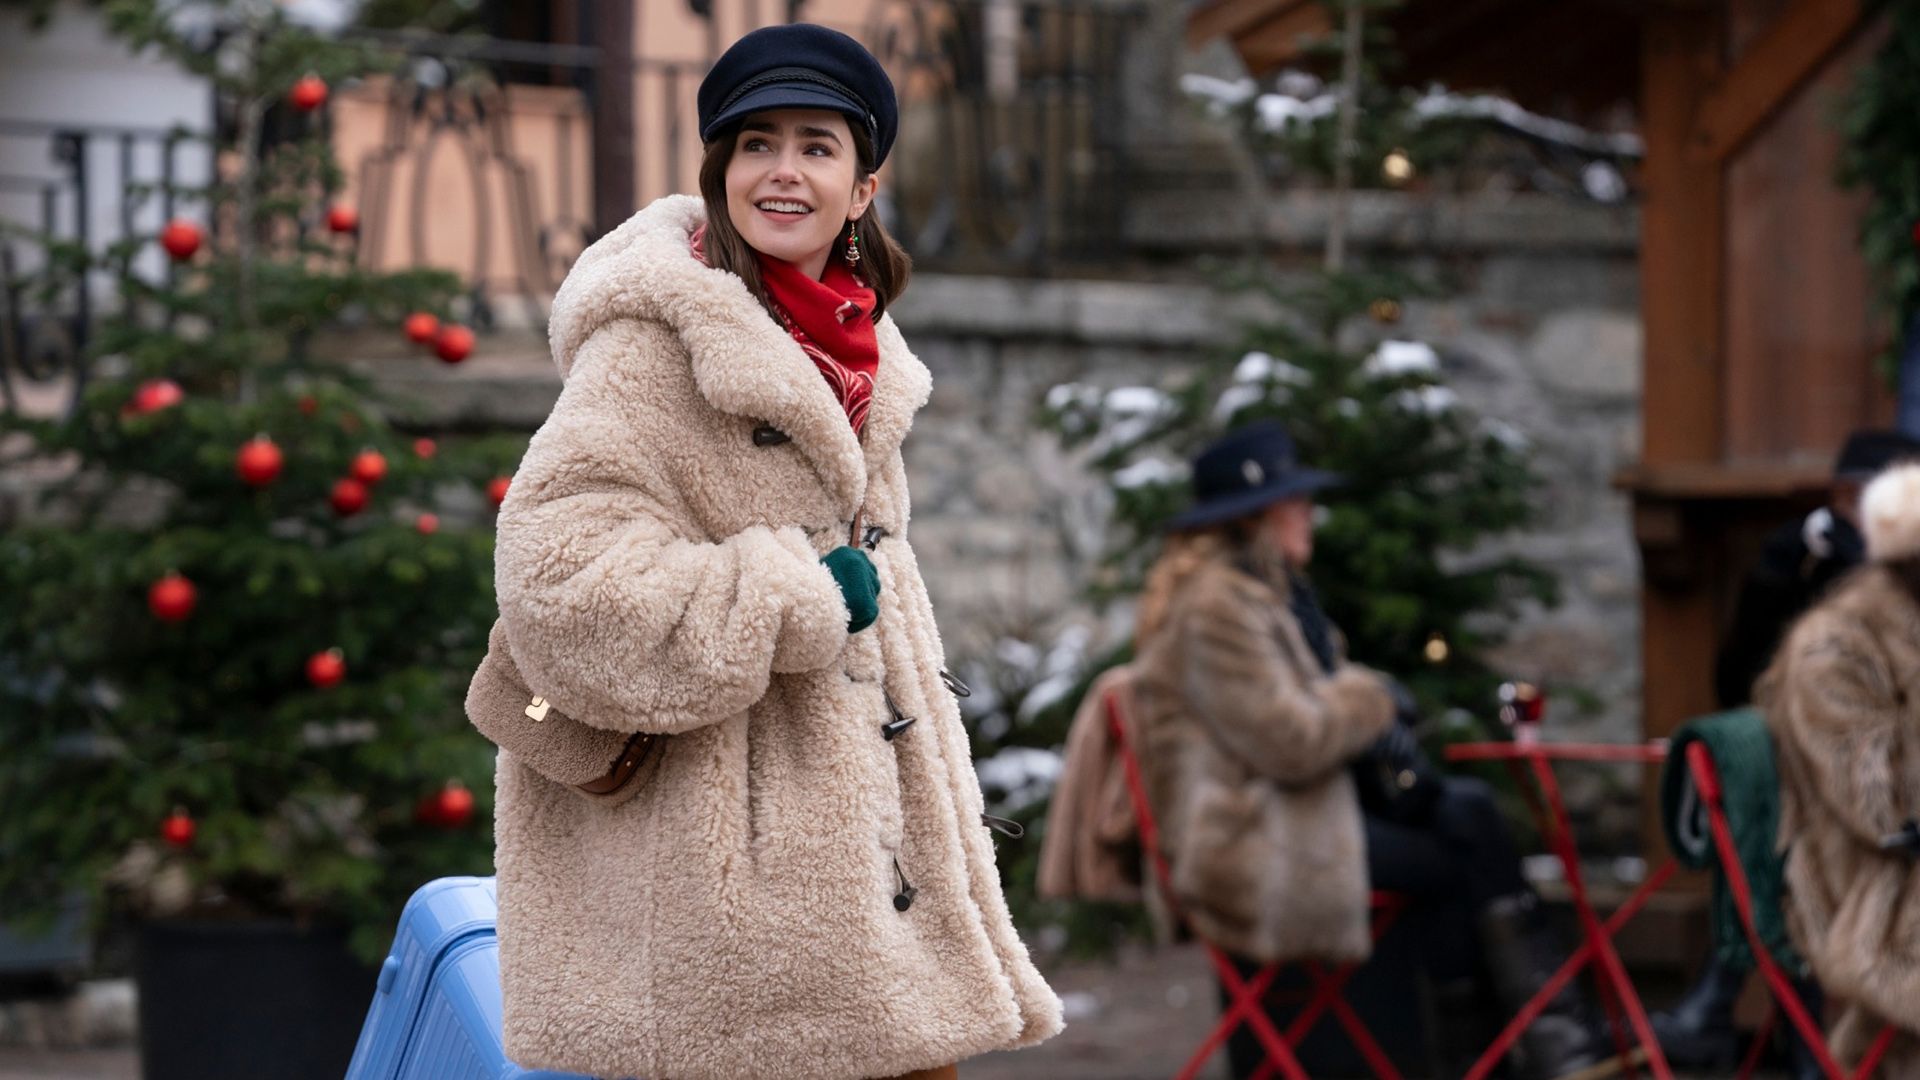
x: 308, y: 404
x: 349, y: 496
x: 326, y: 669
x: 497, y: 489
x: 178, y: 829
x: 309, y: 93
x: 421, y: 328
x: 181, y: 238
x: 449, y: 808
x: 454, y: 344
x: 427, y: 524
x: 369, y: 467
x: 424, y: 448
x: 343, y: 219
x: 154, y: 395
x: 171, y: 599
x: 259, y: 461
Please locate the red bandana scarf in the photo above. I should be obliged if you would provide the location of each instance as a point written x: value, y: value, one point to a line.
x: 832, y: 319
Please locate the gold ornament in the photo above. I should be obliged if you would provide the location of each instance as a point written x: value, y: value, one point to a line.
x: 1385, y: 310
x: 1437, y: 650
x: 1397, y: 167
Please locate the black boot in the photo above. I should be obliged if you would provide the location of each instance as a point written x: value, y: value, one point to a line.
x: 1521, y: 954
x: 1801, y: 1063
x: 1697, y: 1033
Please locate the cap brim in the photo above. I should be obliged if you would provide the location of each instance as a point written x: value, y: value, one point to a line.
x: 789, y: 95
x: 1215, y: 511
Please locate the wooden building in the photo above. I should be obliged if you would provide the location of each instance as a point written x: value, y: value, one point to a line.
x: 1758, y: 312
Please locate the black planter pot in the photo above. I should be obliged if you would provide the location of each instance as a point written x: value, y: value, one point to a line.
x: 246, y: 1000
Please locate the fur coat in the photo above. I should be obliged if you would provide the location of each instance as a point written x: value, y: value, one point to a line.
x: 737, y: 910
x: 1245, y: 743
x: 1843, y: 700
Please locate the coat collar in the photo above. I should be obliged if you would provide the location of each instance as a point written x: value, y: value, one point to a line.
x: 743, y: 362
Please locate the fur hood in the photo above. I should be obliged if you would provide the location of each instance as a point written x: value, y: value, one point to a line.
x: 743, y: 362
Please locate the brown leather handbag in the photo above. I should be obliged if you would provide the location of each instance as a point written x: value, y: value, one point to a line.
x: 596, y: 761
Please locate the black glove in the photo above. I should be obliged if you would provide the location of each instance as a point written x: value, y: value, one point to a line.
x: 1406, y: 710
x: 1394, y: 777
x: 1906, y: 841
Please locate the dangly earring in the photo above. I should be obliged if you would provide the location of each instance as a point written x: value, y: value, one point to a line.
x: 853, y: 244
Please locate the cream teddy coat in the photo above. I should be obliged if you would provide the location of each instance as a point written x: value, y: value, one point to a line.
x: 733, y: 912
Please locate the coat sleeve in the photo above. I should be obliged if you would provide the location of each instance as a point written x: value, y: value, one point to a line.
x: 614, y: 612
x: 1843, y: 710
x: 557, y: 746
x: 1244, y: 690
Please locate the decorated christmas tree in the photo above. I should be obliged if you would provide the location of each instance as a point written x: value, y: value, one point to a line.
x: 238, y: 631
x: 1405, y: 557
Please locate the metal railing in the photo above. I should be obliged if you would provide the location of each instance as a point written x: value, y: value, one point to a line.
x: 95, y: 187
x: 1014, y: 129
x: 1012, y: 159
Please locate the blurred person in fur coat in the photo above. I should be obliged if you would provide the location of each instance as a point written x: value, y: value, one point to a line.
x: 1843, y: 702
x: 1263, y: 746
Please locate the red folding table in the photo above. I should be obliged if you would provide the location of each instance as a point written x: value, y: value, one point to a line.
x: 1527, y: 754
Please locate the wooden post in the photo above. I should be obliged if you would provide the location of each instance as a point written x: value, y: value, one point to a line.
x: 615, y: 190
x: 1681, y: 251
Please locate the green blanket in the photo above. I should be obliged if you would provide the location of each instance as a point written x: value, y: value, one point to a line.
x: 1743, y: 751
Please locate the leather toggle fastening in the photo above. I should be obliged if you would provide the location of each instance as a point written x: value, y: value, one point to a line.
x: 1010, y: 829
x: 900, y: 722
x: 954, y: 685
x: 768, y: 435
x: 538, y: 709
x: 872, y: 537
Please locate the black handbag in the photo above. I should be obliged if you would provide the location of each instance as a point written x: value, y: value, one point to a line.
x: 1394, y: 778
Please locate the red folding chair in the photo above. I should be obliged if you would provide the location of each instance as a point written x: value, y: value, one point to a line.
x: 1248, y: 994
x: 1706, y: 782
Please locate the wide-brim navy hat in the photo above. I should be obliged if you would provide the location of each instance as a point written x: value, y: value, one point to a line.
x: 800, y: 66
x: 1247, y: 470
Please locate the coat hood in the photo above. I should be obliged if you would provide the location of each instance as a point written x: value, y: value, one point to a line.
x: 743, y: 362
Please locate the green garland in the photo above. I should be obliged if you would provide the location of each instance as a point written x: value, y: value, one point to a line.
x: 1882, y: 156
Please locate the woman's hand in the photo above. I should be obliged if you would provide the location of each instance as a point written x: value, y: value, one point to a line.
x: 859, y: 585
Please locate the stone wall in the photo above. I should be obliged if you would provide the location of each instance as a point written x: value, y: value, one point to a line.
x: 1538, y: 326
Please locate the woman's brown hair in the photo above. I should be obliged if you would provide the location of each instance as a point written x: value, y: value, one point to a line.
x: 883, y: 264
x: 1186, y: 552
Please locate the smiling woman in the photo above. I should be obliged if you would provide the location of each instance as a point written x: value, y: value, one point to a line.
x: 797, y: 185
x: 706, y: 543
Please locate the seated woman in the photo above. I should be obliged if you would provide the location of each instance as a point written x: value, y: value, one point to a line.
x: 1843, y: 702
x: 1252, y: 727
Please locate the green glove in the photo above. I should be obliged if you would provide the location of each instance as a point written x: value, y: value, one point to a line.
x: 859, y: 584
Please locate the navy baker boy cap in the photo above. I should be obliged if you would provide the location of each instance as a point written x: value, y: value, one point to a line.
x: 800, y: 66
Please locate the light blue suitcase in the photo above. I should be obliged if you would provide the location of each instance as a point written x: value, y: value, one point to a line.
x: 436, y: 1004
